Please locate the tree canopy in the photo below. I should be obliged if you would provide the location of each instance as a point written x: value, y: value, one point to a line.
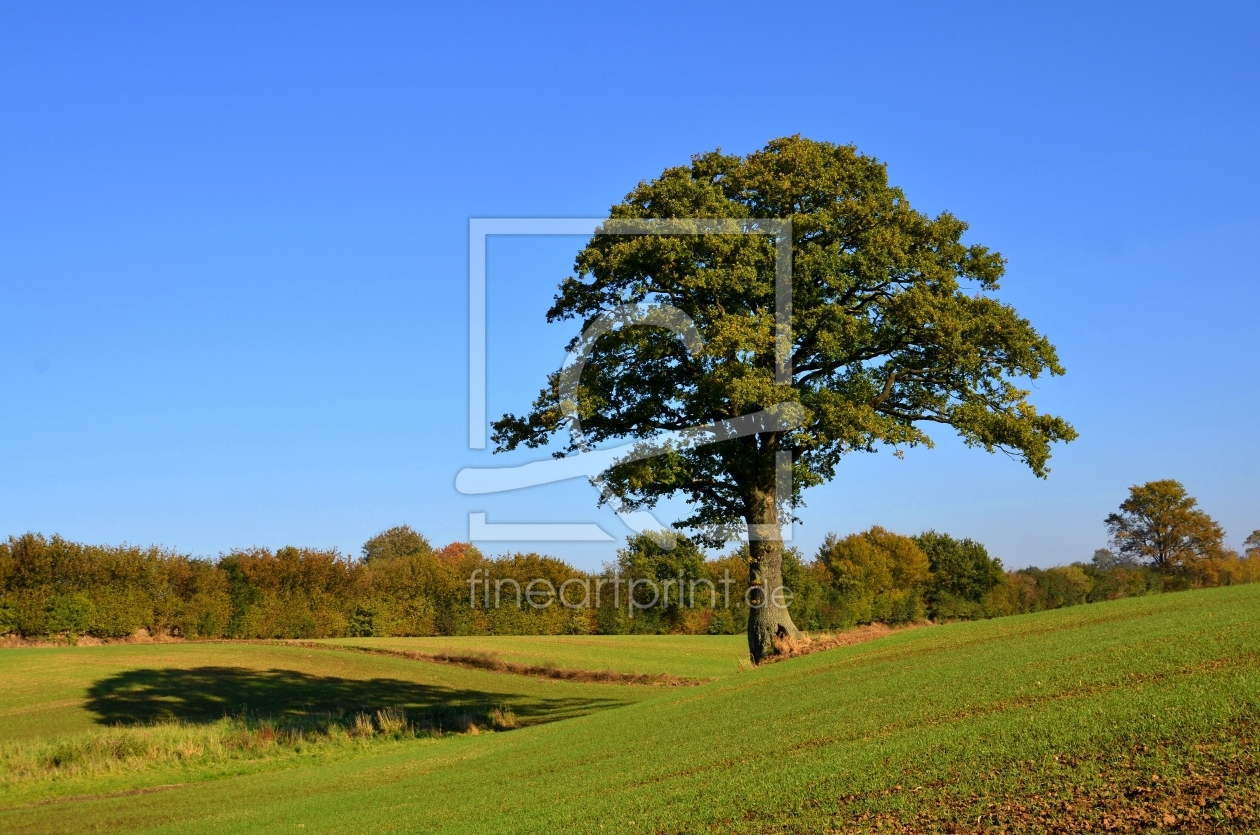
x: 400, y: 541
x: 876, y: 561
x: 960, y: 567
x: 880, y: 574
x: 893, y: 328
x: 1252, y: 544
x: 1160, y: 524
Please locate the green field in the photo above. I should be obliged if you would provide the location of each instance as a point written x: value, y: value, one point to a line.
x: 1140, y: 714
x: 685, y: 656
x: 51, y: 691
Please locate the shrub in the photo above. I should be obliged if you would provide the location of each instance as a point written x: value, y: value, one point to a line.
x: 1016, y: 593
x: 1225, y: 570
x: 1064, y: 586
x: 118, y: 613
x: 1119, y: 581
x: 70, y: 613
x: 502, y: 719
x: 723, y: 623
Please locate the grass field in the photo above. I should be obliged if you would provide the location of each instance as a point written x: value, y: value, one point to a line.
x: 58, y: 690
x: 1140, y: 714
x: 685, y: 656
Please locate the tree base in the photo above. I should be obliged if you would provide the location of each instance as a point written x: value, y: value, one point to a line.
x: 768, y: 625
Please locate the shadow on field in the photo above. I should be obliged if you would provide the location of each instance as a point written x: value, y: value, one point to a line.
x: 207, y: 694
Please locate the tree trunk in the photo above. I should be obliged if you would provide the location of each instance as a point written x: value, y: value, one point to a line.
x: 768, y: 618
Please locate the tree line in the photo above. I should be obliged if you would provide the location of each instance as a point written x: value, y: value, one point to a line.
x: 402, y: 586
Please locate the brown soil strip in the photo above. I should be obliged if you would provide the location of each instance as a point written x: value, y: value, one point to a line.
x: 61, y: 642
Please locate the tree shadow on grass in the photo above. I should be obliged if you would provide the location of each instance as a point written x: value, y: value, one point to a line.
x: 207, y: 694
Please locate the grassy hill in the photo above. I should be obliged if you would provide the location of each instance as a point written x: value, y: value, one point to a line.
x: 1139, y: 714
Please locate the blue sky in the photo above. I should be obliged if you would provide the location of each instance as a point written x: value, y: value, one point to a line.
x: 233, y: 246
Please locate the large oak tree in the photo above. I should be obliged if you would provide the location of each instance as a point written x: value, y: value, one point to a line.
x: 893, y: 328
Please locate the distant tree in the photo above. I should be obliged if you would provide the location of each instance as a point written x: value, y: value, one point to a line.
x: 671, y: 563
x: 807, y: 589
x: 1105, y: 559
x: 658, y: 557
x: 1252, y: 544
x: 880, y: 574
x: 1063, y: 585
x: 1016, y: 594
x: 1159, y: 524
x: 1114, y: 576
x: 401, y: 541
x: 893, y: 328
x: 876, y: 560
x: 457, y: 553
x: 961, y: 568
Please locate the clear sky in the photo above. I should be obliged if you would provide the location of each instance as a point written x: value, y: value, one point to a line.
x: 234, y: 246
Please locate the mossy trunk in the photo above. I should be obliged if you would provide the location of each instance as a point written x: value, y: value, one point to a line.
x: 768, y: 618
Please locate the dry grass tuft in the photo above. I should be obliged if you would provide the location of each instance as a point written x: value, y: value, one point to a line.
x: 502, y: 719
x: 789, y: 647
x: 362, y: 726
x: 392, y: 721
